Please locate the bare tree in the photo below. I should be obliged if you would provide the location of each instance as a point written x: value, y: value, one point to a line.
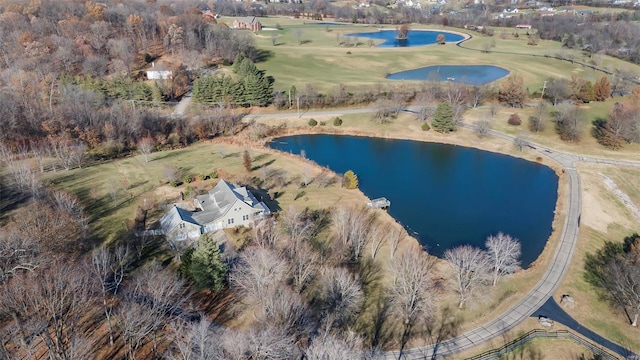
x: 146, y: 146
x: 303, y: 266
x: 265, y: 234
x: 297, y: 225
x: 258, y: 271
x: 41, y: 150
x: 396, y: 236
x: 470, y: 269
x: 333, y: 347
x: 504, y: 252
x: 59, y: 298
x: 521, y: 142
x: 267, y: 343
x: 412, y: 291
x: 107, y: 268
x: 378, y: 238
x: 482, y: 128
x: 353, y: 226
x: 192, y: 340
x: 285, y: 310
x: 297, y: 33
x: 478, y: 94
x: 162, y: 293
x: 17, y: 254
x: 135, y: 322
x: 623, y: 276
x: 341, y: 296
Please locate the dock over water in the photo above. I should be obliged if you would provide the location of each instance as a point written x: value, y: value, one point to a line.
x: 379, y: 203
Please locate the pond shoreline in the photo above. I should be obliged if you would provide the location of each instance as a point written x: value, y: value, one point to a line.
x: 450, y: 139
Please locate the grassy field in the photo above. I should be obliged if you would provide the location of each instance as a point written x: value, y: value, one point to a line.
x: 320, y: 61
x: 604, y: 218
x: 115, y: 189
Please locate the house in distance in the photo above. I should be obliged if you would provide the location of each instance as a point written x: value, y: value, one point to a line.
x: 247, y: 23
x: 225, y: 206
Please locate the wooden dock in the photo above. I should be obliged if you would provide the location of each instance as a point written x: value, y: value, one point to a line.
x: 379, y: 203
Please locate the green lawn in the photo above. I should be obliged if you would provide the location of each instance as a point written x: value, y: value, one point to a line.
x: 323, y: 63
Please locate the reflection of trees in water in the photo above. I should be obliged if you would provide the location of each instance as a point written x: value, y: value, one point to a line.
x: 402, y: 33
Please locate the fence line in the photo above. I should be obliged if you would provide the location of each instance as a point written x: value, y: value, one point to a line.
x: 537, y: 333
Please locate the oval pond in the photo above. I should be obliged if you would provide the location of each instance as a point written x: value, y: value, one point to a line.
x: 444, y: 195
x: 415, y: 37
x: 468, y: 74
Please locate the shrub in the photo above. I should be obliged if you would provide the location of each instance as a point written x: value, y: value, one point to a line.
x: 323, y: 123
x: 175, y: 183
x: 147, y: 58
x: 213, y: 175
x: 337, y: 121
x: 312, y: 122
x: 187, y: 179
x: 202, y: 177
x: 425, y: 126
x: 348, y: 52
x: 514, y: 119
x: 278, y: 26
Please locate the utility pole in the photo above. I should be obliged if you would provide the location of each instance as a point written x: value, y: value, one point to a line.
x: 544, y: 87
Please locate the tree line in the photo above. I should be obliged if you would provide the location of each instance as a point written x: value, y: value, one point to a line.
x: 250, y: 87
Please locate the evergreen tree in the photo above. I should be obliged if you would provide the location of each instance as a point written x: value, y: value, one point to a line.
x: 207, y: 269
x: 350, y: 180
x: 443, y: 118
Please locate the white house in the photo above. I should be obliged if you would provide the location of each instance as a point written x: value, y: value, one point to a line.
x: 225, y: 206
x: 158, y: 73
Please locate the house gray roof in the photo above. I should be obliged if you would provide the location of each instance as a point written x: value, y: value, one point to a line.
x: 213, y: 207
x: 248, y: 20
x: 175, y: 216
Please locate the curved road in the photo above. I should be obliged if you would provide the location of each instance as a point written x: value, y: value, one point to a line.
x: 551, y: 279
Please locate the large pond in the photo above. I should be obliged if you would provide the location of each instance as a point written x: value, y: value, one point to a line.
x: 414, y: 38
x: 444, y: 195
x: 468, y: 74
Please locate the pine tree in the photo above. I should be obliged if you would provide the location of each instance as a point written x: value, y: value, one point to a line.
x: 350, y: 180
x: 443, y: 118
x: 207, y: 268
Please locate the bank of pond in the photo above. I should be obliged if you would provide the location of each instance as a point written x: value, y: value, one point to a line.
x: 444, y: 195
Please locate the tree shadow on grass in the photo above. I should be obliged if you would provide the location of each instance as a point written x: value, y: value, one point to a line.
x: 257, y: 167
x: 263, y: 55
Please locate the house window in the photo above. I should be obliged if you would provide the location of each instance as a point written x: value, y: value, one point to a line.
x: 181, y: 226
x: 229, y: 221
x: 245, y: 217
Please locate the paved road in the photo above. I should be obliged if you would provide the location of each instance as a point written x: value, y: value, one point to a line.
x: 551, y: 279
x: 182, y: 105
x: 553, y: 311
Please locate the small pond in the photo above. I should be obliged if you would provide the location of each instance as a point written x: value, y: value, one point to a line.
x: 415, y: 37
x: 444, y: 195
x: 468, y: 74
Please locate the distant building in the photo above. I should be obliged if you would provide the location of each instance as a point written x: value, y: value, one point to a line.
x: 225, y: 206
x: 158, y: 73
x: 247, y: 23
x: 523, y: 26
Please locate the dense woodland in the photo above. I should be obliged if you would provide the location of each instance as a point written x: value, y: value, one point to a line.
x: 73, y: 90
